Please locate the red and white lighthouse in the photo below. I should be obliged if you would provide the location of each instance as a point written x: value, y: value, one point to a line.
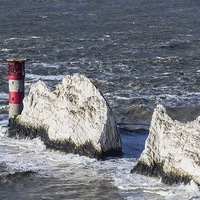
x: 16, y: 76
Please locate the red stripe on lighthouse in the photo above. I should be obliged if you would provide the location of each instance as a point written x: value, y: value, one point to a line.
x: 16, y: 97
x: 16, y: 77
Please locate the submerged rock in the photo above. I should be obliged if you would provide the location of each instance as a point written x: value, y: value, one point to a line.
x: 73, y: 118
x: 172, y: 149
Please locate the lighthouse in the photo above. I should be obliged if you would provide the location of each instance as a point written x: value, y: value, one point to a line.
x: 16, y: 76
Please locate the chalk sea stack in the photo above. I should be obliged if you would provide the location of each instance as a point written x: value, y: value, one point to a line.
x: 172, y: 149
x: 74, y: 118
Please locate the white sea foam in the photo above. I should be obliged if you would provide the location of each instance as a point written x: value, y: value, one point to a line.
x: 32, y: 155
x: 35, y: 77
x: 26, y: 155
x: 176, y: 192
x: 3, y: 127
x: 35, y: 37
x: 4, y: 95
x: 6, y: 50
x: 4, y: 107
x: 46, y: 65
x: 26, y: 38
x: 132, y: 183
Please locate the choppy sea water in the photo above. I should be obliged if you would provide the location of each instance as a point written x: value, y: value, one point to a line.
x: 138, y: 53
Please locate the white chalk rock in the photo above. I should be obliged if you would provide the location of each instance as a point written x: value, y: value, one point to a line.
x: 172, y: 145
x: 75, y: 110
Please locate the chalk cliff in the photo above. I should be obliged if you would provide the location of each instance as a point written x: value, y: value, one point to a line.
x: 73, y: 118
x: 172, y: 149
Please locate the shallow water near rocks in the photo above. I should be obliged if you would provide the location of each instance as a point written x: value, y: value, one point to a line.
x: 138, y: 53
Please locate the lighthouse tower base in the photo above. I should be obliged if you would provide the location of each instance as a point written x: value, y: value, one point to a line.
x: 15, y: 109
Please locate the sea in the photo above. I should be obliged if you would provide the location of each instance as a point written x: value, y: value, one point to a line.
x: 139, y: 53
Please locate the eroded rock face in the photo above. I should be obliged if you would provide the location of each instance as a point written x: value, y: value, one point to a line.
x: 76, y: 112
x: 172, y: 149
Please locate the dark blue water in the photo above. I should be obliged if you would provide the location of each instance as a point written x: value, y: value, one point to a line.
x: 138, y: 53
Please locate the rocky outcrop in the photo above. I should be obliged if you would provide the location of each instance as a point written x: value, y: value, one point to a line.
x: 73, y: 118
x: 172, y: 149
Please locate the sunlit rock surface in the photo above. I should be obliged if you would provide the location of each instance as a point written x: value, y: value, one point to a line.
x: 74, y: 118
x: 172, y: 149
